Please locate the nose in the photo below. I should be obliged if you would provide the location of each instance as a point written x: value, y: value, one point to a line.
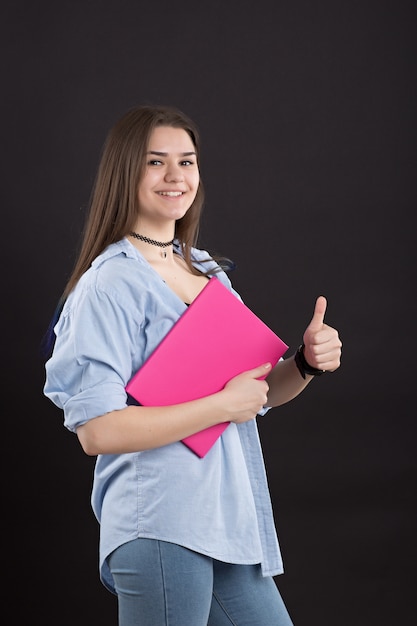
x: 174, y: 174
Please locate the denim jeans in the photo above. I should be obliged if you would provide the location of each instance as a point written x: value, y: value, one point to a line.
x: 163, y: 584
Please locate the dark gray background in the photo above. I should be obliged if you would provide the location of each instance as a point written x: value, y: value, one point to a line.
x: 308, y: 118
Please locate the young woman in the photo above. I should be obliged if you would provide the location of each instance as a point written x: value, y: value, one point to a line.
x: 184, y: 541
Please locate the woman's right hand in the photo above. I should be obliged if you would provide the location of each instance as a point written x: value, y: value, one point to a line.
x: 246, y: 394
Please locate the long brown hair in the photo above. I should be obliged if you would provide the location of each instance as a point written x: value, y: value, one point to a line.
x: 113, y: 206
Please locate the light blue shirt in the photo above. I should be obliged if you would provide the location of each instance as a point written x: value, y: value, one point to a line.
x: 218, y: 505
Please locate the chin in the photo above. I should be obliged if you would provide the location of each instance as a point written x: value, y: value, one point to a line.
x: 177, y: 215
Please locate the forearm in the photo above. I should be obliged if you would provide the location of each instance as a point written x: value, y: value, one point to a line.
x: 138, y: 428
x: 285, y: 382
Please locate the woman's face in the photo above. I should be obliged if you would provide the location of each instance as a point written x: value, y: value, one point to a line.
x: 171, y: 177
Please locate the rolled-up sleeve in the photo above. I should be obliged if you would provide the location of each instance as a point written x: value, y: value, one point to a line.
x: 96, y: 336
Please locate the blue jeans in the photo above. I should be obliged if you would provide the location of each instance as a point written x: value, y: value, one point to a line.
x: 163, y: 584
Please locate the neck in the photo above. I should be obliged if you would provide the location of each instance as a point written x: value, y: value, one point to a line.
x: 153, y: 242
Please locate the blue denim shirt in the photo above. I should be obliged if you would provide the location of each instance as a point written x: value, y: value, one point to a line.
x: 219, y: 505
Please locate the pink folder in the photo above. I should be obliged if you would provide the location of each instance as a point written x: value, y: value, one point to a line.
x: 216, y: 338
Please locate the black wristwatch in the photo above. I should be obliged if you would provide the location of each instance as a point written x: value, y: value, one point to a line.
x: 303, y: 367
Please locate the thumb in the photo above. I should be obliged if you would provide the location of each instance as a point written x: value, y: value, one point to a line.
x: 318, y: 316
x: 259, y: 372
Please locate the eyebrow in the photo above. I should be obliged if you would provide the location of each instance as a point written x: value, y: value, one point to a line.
x: 165, y: 154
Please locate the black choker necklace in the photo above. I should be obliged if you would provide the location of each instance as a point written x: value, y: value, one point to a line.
x: 153, y: 242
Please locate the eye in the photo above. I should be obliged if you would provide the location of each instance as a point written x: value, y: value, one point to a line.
x: 154, y: 162
x: 187, y: 162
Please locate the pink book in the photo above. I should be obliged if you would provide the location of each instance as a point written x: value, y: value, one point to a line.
x: 216, y: 338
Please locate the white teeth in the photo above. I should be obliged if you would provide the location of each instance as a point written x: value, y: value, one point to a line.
x: 173, y: 194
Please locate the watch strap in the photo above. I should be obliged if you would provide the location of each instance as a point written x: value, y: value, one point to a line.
x: 303, y: 367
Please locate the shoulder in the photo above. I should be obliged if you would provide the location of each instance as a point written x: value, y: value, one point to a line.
x: 203, y: 261
x: 118, y: 274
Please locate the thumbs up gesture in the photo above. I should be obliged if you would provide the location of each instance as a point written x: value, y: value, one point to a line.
x: 322, y: 345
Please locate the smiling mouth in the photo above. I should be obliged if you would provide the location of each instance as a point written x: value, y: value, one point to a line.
x: 171, y: 194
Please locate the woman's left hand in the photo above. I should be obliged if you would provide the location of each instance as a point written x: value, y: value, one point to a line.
x: 322, y: 345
